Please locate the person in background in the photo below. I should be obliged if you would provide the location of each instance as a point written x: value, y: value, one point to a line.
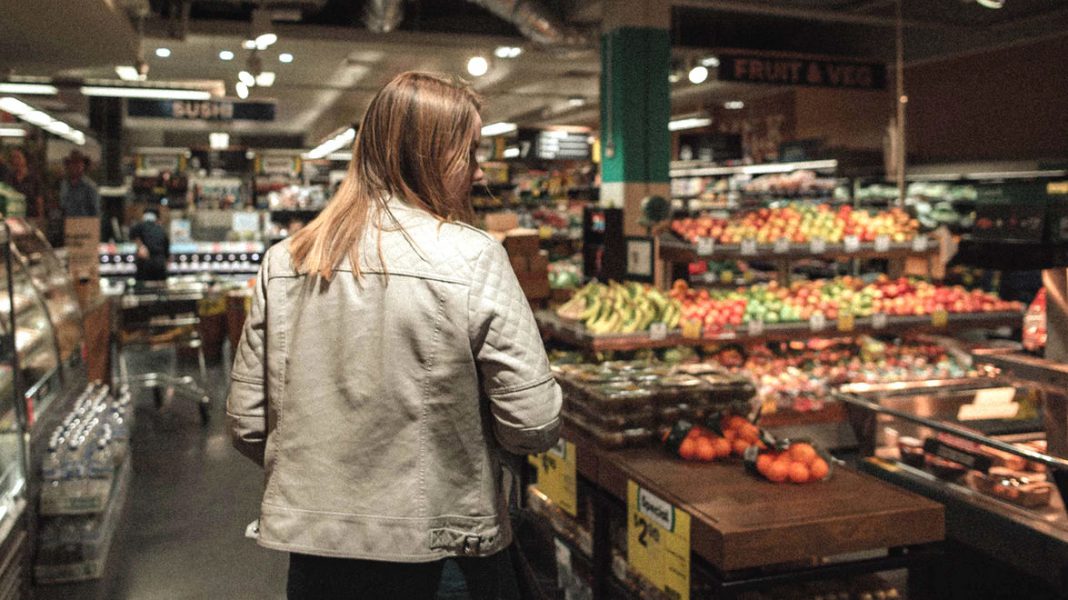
x: 78, y: 196
x: 153, y: 247
x: 25, y: 183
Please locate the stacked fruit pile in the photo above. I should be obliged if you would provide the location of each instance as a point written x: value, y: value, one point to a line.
x: 800, y: 223
x: 799, y: 462
x: 773, y: 303
x: 620, y: 308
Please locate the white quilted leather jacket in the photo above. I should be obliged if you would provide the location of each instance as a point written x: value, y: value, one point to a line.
x: 377, y: 407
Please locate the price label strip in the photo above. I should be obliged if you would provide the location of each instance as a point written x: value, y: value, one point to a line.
x: 556, y: 475
x: 782, y: 246
x: 940, y: 318
x: 878, y: 321
x: 882, y: 243
x: 658, y: 541
x: 919, y: 243
x: 817, y: 322
x: 658, y: 331
x: 817, y: 246
x: 756, y: 327
x: 851, y: 243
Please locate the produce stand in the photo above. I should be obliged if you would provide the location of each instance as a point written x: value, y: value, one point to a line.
x: 575, y: 334
x: 749, y: 534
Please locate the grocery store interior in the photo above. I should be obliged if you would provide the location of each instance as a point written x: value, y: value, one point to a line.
x: 800, y: 268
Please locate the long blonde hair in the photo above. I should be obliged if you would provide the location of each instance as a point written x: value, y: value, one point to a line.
x: 417, y: 134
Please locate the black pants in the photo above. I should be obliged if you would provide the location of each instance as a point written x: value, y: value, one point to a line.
x: 325, y: 578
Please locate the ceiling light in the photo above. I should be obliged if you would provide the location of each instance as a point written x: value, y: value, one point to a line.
x: 285, y: 57
x: 249, y: 44
x: 58, y: 128
x: 688, y: 123
x: 734, y: 105
x: 512, y: 152
x: 507, y: 51
x: 12, y: 132
x: 477, y: 66
x: 576, y: 101
x: 128, y: 73
x: 698, y: 74
x: 246, y: 78
x: 991, y: 3
x: 260, y: 29
x: 226, y: 55
x: 37, y: 117
x: 242, y: 89
x: 141, y: 92
x: 77, y: 137
x: 265, y: 79
x: 28, y: 88
x: 332, y: 145
x: 497, y: 129
x: 219, y: 140
x: 673, y: 77
x: 163, y: 52
x: 264, y: 41
x: 14, y: 106
x: 710, y: 61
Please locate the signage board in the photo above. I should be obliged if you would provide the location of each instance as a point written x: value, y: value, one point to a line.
x: 747, y: 67
x: 200, y: 110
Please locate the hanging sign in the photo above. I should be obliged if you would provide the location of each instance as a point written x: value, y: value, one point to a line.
x: 200, y: 110
x: 278, y: 165
x: 658, y: 541
x: 556, y: 475
x: 786, y: 70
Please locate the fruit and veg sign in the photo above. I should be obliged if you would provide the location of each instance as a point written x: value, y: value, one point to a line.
x: 556, y: 475
x: 658, y: 541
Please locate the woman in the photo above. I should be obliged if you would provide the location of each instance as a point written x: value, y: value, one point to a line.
x: 26, y: 184
x: 388, y: 357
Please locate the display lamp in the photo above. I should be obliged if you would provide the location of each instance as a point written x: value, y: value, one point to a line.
x: 477, y: 66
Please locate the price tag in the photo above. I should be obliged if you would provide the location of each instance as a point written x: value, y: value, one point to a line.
x: 817, y: 246
x: 658, y: 542
x: 749, y: 247
x: 919, y: 243
x: 846, y: 322
x: 545, y: 232
x: 691, y: 328
x: 878, y: 321
x: 882, y: 243
x: 658, y: 331
x: 706, y: 246
x: 817, y: 322
x: 556, y: 475
x: 782, y: 246
x: 851, y: 243
x: 940, y: 318
x: 756, y: 327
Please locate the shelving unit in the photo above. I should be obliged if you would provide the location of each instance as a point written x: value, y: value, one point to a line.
x: 673, y: 249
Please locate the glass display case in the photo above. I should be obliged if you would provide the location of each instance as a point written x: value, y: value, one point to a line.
x: 13, y: 459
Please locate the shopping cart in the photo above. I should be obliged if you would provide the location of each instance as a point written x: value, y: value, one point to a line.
x: 154, y: 317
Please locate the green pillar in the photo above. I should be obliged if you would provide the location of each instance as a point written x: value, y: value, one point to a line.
x: 635, y: 106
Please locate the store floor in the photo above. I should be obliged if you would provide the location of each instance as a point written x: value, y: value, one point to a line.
x: 182, y: 532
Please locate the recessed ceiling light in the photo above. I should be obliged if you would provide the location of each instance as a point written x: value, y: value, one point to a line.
x: 991, y: 3
x: 265, y: 79
x: 142, y: 92
x: 477, y: 66
x: 163, y: 52
x: 698, y: 74
x: 507, y: 51
x: 219, y: 140
x: 226, y: 55
x: 734, y: 105
x: 12, y: 132
x: 249, y: 44
x: 246, y: 78
x: 710, y: 61
x: 576, y: 101
x: 673, y: 77
x: 264, y: 40
x: 497, y: 129
x: 285, y: 57
x: 242, y: 90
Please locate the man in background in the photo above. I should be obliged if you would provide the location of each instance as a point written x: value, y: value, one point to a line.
x: 153, y: 246
x: 78, y: 196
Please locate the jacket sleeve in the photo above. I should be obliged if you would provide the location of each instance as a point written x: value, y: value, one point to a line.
x: 514, y: 370
x: 246, y: 404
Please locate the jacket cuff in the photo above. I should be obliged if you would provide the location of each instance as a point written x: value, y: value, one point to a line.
x: 248, y: 435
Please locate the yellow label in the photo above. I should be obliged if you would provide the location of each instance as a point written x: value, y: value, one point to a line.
x: 691, y: 328
x: 846, y: 322
x: 556, y: 475
x: 545, y: 232
x: 1057, y: 188
x: 939, y: 318
x: 658, y: 541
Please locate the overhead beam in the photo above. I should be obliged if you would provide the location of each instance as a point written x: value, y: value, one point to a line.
x: 830, y: 16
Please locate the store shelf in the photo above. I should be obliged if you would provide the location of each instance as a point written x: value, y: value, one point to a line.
x: 673, y: 249
x: 574, y: 333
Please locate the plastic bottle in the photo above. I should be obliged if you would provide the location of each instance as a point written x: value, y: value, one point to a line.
x: 101, y: 461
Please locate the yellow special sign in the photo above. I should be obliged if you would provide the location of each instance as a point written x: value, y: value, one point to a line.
x: 556, y: 475
x: 658, y: 541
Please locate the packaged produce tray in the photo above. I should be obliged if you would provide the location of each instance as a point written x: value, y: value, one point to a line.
x: 608, y: 438
x: 625, y: 386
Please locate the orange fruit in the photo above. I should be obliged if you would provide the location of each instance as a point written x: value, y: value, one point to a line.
x: 749, y: 433
x: 777, y: 471
x: 739, y: 447
x: 730, y: 435
x: 722, y: 447
x: 798, y: 473
x: 818, y: 469
x: 736, y: 422
x: 693, y: 433
x: 688, y: 448
x: 803, y: 453
x: 763, y: 462
x: 705, y: 450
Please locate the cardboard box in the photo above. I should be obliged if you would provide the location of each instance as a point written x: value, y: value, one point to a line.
x: 535, y: 286
x: 520, y: 264
x: 501, y: 221
x: 522, y: 242
x: 539, y: 262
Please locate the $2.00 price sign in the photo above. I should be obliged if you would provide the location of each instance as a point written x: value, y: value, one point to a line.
x: 556, y: 475
x: 658, y: 541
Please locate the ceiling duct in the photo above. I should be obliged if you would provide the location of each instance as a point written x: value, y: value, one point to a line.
x: 536, y: 23
x: 383, y: 16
